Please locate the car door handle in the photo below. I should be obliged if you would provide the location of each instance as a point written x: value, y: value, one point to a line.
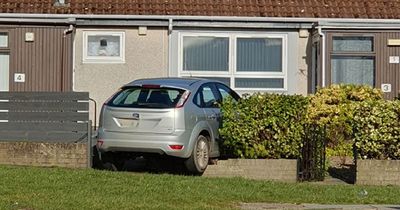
x: 212, y: 117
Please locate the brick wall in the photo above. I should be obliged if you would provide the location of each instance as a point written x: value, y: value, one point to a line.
x: 378, y: 172
x: 263, y: 169
x: 72, y: 155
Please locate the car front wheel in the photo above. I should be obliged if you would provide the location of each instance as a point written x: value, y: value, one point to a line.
x: 198, y: 161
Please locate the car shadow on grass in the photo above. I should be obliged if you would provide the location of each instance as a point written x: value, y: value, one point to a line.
x: 154, y: 165
x: 167, y: 165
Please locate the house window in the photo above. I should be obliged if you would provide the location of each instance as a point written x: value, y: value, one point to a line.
x: 205, y: 53
x: 3, y: 40
x: 353, y: 60
x: 241, y: 61
x: 259, y: 55
x: 271, y: 83
x: 103, y: 46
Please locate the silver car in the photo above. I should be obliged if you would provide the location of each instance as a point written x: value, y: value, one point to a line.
x: 177, y: 117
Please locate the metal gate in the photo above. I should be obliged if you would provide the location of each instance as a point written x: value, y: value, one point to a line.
x: 312, y: 156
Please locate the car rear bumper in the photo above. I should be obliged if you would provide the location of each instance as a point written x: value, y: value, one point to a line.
x: 145, y: 143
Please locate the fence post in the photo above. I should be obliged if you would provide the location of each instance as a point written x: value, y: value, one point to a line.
x: 89, y: 145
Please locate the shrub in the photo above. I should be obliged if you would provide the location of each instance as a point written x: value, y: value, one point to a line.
x: 263, y: 126
x: 377, y: 129
x: 343, y: 149
x: 272, y: 125
x: 334, y: 107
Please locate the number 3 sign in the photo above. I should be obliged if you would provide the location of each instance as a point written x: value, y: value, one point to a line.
x: 386, y: 88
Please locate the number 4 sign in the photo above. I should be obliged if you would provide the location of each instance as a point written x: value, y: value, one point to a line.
x: 18, y: 77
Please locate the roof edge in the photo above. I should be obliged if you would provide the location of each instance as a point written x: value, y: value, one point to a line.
x: 73, y: 18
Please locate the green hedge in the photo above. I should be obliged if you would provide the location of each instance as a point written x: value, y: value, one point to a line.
x: 263, y: 126
x: 272, y: 125
x: 377, y: 129
x: 334, y: 107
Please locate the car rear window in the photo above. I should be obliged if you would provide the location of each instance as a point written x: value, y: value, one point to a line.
x: 140, y: 97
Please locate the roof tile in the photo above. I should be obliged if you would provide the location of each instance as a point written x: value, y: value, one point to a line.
x: 256, y: 8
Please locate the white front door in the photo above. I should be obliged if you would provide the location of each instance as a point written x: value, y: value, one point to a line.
x: 4, y: 71
x: 4, y: 62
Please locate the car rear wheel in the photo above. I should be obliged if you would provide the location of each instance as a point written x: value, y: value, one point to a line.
x: 198, y: 161
x: 112, y: 162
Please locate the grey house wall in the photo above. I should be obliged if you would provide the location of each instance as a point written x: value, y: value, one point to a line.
x: 156, y: 55
x: 297, y: 66
x: 145, y: 56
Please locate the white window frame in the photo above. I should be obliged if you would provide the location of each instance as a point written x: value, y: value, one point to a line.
x: 180, y: 63
x: 232, y: 69
x: 104, y: 59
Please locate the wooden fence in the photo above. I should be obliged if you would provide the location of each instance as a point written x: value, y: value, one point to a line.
x: 44, y: 116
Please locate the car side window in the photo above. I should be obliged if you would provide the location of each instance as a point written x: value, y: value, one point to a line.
x: 206, y: 97
x: 127, y: 96
x: 226, y: 92
x: 132, y: 97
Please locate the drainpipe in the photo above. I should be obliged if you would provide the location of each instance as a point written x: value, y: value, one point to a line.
x: 322, y: 35
x: 66, y: 31
x: 170, y: 28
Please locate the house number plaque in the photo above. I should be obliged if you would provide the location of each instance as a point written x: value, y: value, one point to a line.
x: 386, y: 88
x: 18, y: 77
x: 394, y: 59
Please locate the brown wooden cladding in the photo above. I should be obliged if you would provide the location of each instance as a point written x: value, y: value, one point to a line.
x: 388, y: 72
x: 385, y: 72
x: 46, y: 61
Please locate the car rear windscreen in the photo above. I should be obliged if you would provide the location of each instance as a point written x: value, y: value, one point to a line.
x: 140, y: 97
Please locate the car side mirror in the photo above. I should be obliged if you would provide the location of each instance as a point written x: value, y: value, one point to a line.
x: 216, y: 104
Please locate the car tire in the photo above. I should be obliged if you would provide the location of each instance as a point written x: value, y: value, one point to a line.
x: 112, y: 162
x: 198, y: 160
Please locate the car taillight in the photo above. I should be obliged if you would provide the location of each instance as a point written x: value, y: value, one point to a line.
x: 99, y: 143
x: 183, y: 99
x: 176, y: 147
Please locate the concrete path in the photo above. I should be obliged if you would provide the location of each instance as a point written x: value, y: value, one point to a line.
x: 269, y: 206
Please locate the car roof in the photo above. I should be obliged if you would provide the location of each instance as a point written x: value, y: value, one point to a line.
x: 179, y: 82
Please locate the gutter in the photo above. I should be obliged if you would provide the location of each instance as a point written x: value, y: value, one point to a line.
x: 201, y: 21
x: 37, y: 20
x: 26, y: 16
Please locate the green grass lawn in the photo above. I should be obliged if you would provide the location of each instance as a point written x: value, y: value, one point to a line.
x: 55, y: 188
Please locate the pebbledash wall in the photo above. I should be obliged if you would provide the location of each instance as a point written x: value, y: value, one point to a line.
x: 145, y: 56
x: 44, y: 154
x: 154, y: 53
x: 378, y: 172
x: 283, y: 170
